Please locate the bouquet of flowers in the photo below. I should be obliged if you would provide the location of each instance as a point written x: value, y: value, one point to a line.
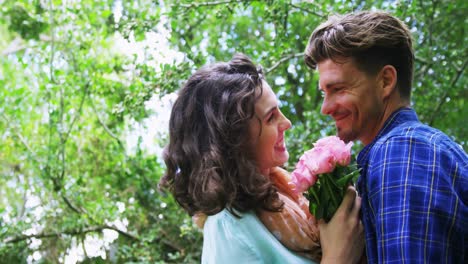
x: 323, y: 174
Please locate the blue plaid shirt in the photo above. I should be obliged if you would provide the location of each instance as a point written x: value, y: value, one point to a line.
x: 414, y: 188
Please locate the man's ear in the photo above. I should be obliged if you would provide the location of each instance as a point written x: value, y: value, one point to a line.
x: 388, y: 80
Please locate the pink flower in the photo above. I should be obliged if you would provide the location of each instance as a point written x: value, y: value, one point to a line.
x: 322, y: 158
x: 339, y: 150
x: 319, y: 160
x: 302, y: 178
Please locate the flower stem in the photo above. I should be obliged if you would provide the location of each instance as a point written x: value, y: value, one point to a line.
x: 331, y: 193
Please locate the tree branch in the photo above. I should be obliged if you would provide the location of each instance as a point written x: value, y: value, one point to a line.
x: 104, y: 125
x: 452, y: 84
x: 72, y: 232
x: 78, y: 112
x: 62, y: 139
x: 77, y: 209
x: 214, y: 3
x: 288, y: 57
x: 22, y: 140
x: 167, y: 243
x: 18, y: 45
x: 422, y: 61
x: 123, y: 233
x: 308, y: 10
x: 91, y: 229
x: 69, y: 204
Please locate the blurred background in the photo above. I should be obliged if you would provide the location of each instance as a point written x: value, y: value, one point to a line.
x: 85, y: 94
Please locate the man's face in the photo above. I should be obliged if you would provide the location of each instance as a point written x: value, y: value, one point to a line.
x: 352, y: 98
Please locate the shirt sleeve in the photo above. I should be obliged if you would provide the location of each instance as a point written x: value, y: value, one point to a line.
x: 415, y: 209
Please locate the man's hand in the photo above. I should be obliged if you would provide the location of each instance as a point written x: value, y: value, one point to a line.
x: 342, y: 238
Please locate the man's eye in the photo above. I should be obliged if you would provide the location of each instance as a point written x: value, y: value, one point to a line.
x: 337, y: 89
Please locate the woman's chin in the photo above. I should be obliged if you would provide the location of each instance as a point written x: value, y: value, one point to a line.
x: 282, y: 158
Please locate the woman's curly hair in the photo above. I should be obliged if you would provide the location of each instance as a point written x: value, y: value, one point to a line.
x: 209, y: 164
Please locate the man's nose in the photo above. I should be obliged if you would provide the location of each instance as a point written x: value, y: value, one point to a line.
x: 327, y: 105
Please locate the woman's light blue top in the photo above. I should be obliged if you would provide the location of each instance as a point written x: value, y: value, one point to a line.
x: 228, y: 239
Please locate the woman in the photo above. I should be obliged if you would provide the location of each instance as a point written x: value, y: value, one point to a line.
x: 226, y: 142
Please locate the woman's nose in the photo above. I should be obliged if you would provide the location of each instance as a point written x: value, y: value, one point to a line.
x: 285, y: 123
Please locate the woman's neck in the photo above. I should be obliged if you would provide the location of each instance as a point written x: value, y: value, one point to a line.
x: 265, y: 172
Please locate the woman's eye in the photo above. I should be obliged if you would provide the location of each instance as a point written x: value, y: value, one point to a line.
x: 271, y: 117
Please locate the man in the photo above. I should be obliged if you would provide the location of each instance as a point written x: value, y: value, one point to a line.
x: 414, y: 179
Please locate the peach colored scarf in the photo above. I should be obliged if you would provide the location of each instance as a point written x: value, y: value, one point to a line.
x: 294, y: 226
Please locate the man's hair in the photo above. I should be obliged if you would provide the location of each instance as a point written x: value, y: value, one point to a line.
x: 209, y: 160
x: 372, y: 39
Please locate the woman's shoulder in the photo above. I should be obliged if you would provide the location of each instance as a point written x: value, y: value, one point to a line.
x: 227, y: 220
x: 246, y: 237
x: 243, y: 230
x: 226, y: 231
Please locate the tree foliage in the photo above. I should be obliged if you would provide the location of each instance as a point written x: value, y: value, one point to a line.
x: 69, y: 96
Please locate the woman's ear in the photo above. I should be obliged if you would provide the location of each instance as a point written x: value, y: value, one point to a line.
x: 388, y: 80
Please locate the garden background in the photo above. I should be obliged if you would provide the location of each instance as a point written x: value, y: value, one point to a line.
x: 85, y: 93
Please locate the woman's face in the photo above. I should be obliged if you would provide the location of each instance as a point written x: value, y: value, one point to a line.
x: 267, y: 132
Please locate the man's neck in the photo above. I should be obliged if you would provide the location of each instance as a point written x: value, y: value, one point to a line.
x: 390, y: 108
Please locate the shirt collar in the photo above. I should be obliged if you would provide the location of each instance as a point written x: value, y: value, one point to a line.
x: 401, y: 115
